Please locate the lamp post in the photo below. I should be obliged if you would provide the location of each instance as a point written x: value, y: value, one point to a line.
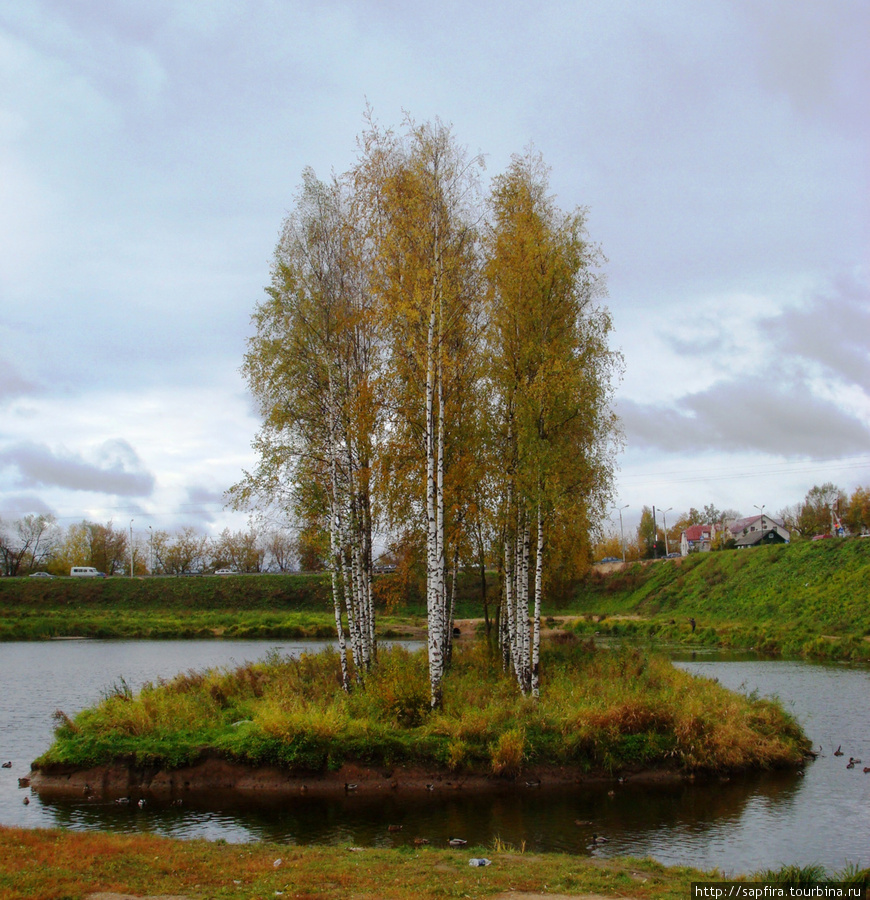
x: 621, y: 532
x: 665, y: 520
x: 131, y: 547
x: 151, y: 550
x: 761, y: 510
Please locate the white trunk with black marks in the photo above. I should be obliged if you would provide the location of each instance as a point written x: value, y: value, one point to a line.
x: 524, y: 612
x: 434, y: 587
x: 335, y: 540
x: 536, y: 620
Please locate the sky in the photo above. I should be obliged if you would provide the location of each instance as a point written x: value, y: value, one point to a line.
x: 150, y: 150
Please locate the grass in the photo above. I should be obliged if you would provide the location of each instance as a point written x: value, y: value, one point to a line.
x: 58, y: 865
x: 810, y: 599
x: 600, y: 712
x: 53, y: 865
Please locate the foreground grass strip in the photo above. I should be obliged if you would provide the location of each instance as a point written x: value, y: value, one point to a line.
x: 52, y: 865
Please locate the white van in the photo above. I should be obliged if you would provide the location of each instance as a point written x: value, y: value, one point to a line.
x: 85, y: 572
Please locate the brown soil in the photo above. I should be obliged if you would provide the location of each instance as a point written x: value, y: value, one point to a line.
x: 116, y: 781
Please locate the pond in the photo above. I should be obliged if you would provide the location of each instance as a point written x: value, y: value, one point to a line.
x: 738, y: 826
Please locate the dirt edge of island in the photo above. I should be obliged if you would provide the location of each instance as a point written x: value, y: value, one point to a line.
x: 118, y: 780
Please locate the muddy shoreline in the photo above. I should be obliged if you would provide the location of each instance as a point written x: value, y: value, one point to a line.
x: 117, y: 780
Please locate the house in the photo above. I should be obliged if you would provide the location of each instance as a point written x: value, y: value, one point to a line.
x: 698, y: 538
x: 762, y: 529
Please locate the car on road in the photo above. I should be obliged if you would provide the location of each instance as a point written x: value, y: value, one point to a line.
x: 40, y: 575
x: 225, y: 572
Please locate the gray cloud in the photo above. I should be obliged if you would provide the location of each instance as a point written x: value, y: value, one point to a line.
x: 118, y: 471
x: 12, y: 384
x: 751, y: 414
x: 832, y: 329
x: 18, y: 505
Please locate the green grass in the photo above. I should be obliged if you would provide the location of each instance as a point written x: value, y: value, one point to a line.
x: 600, y: 712
x: 811, y: 598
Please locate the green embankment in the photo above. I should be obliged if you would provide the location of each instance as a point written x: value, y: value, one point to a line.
x: 810, y: 598
x: 243, y: 606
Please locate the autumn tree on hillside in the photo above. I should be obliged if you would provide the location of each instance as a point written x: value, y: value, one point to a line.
x: 93, y: 544
x: 27, y: 543
x: 857, y: 513
x: 551, y: 378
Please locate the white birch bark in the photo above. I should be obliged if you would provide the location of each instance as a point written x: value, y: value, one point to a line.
x: 536, y: 619
x: 334, y: 539
x: 433, y: 600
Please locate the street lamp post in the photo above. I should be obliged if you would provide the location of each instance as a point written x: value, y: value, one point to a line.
x: 665, y: 520
x: 621, y: 532
x: 761, y: 510
x: 151, y: 550
x: 131, y: 547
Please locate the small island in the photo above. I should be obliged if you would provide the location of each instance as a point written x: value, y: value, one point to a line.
x: 285, y: 725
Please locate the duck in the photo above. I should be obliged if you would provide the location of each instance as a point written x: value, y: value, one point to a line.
x: 24, y: 782
x: 582, y: 822
x: 394, y: 828
x: 839, y: 751
x: 535, y: 782
x: 866, y: 769
x: 457, y: 842
x: 421, y: 842
x: 350, y: 786
x: 600, y: 839
x: 26, y: 801
x: 7, y: 765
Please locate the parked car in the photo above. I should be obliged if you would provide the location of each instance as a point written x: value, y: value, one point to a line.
x: 225, y: 572
x: 40, y: 575
x: 611, y: 559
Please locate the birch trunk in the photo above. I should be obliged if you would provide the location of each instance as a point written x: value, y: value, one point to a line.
x: 536, y: 621
x: 433, y: 599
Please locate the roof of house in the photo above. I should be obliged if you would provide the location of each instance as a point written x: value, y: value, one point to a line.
x: 698, y: 532
x: 739, y: 524
x: 757, y: 537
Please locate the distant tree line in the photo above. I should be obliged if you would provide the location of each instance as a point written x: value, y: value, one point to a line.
x: 36, y: 543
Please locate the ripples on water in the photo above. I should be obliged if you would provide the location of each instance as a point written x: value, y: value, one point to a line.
x: 741, y: 825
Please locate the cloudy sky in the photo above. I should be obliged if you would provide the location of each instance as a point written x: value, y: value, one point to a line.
x: 150, y: 150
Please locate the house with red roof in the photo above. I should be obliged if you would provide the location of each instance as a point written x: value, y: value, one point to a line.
x: 698, y: 538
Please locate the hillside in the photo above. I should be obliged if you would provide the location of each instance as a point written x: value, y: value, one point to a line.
x: 811, y: 598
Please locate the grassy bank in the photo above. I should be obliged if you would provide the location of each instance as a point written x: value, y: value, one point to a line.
x: 50, y: 865
x: 56, y: 865
x: 811, y: 599
x: 600, y: 712
x: 243, y: 606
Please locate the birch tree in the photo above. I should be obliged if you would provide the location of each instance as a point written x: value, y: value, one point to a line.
x: 312, y: 367
x: 551, y: 377
x: 420, y: 192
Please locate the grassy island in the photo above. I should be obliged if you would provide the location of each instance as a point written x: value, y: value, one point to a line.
x: 601, y: 712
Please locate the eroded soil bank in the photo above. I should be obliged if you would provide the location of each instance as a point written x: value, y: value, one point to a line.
x: 118, y: 780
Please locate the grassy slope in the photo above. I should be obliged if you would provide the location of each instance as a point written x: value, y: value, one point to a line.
x: 261, y: 606
x: 811, y: 597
